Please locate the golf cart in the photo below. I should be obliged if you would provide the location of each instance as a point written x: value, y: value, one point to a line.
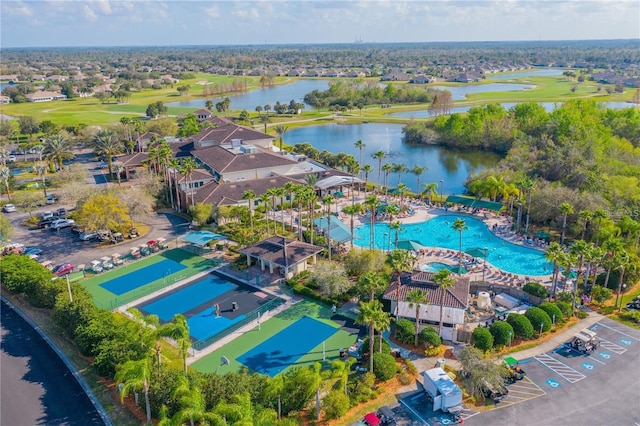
x: 585, y: 341
x: 513, y: 369
x: 133, y: 233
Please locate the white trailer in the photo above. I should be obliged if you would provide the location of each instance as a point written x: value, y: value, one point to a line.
x: 446, y: 395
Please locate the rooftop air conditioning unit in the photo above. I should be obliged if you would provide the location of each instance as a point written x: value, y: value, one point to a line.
x: 226, y: 180
x: 235, y: 143
x: 249, y: 149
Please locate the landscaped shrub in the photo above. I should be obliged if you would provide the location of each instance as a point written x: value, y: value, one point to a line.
x: 362, y: 389
x: 411, y: 367
x: 384, y: 366
x: 335, y: 404
x: 502, y: 333
x: 607, y: 310
x: 539, y: 319
x: 386, y: 347
x: 600, y: 294
x: 405, y: 330
x: 429, y: 336
x: 633, y: 316
x: 482, y: 339
x: 565, y: 308
x: 521, y: 325
x: 535, y: 289
x: 553, y: 311
x: 581, y: 314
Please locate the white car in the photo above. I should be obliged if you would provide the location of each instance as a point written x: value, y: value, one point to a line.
x: 62, y: 223
x: 9, y: 208
x: 11, y: 159
x: 47, y: 215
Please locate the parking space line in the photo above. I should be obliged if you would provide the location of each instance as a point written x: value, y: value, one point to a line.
x: 618, y: 331
x: 414, y: 412
x: 528, y: 386
x: 563, y: 370
x: 597, y: 360
x: 611, y: 346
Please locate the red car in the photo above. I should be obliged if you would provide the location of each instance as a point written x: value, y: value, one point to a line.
x: 62, y: 269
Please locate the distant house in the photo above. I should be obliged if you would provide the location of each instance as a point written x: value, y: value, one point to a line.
x: 4, y: 99
x: 422, y: 79
x: 42, y: 96
x: 395, y: 76
x: 203, y: 114
x: 465, y: 77
x: 143, y: 141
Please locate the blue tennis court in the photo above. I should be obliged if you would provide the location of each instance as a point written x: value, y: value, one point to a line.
x: 285, y: 348
x: 141, y: 277
x: 189, y: 297
x: 206, y: 324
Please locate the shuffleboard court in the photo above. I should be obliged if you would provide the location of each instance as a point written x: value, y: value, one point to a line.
x: 206, y: 324
x: 189, y: 297
x: 286, y: 347
x: 141, y: 277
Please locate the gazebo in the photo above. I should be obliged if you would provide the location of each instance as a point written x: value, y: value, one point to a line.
x: 289, y: 255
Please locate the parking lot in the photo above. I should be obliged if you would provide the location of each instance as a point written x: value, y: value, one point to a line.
x: 565, y: 387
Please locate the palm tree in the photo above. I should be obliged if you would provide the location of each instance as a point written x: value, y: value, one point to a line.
x: 379, y: 155
x: 105, y: 143
x: 387, y: 169
x: 56, y: 149
x: 264, y: 199
x: 372, y: 203
x: 187, y: 166
x: 289, y: 188
x: 327, y: 200
x: 118, y: 168
x: 597, y: 255
x: 352, y: 210
x: 444, y: 279
x: 134, y: 376
x: 281, y: 130
x: 371, y: 282
x: 5, y: 176
x: 418, y: 171
x: 416, y: 297
x: 526, y: 185
x: 366, y: 169
x: 382, y: 323
x: 250, y: 196
x: 566, y: 209
x: 400, y: 261
x: 367, y: 315
x: 193, y: 406
x: 281, y: 192
x: 360, y: 146
x: 400, y: 169
x: 459, y: 225
x: 41, y: 170
x: 621, y: 262
x: 612, y: 246
x: 586, y: 216
x: 568, y: 259
x: 395, y: 226
x: 311, y: 199
x: 273, y: 193
x: 579, y: 250
x: 173, y: 166
x: 554, y: 254
x: 178, y: 330
x: 598, y: 216
x: 301, y: 194
x: 430, y: 190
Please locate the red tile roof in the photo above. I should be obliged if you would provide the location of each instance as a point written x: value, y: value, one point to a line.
x: 455, y: 297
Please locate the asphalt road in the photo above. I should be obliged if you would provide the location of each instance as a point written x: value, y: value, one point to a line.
x: 36, y: 388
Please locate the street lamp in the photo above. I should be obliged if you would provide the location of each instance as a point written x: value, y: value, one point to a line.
x: 484, y: 267
x: 541, y: 324
x: 510, y: 334
x: 441, y: 189
x: 553, y: 319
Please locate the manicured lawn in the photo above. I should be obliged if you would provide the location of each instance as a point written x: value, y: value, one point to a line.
x: 192, y: 263
x: 253, y: 338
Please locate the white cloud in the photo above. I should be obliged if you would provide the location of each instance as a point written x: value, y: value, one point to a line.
x: 89, y: 14
x: 16, y: 8
x: 212, y: 11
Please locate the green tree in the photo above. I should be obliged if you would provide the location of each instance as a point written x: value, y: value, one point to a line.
x: 105, y: 143
x: 501, y: 332
x: 416, y: 298
x: 371, y: 282
x: 352, y: 210
x: 330, y: 278
x: 555, y: 255
x: 444, y: 279
x: 535, y: 289
x: 192, y: 405
x: 479, y: 373
x: 134, y: 376
x: 418, y: 171
x: 367, y: 313
x: 201, y: 212
x: 190, y: 126
x: 384, y: 366
x: 601, y: 294
x: 539, y: 319
x: 553, y: 311
x: 281, y: 130
x: 482, y: 339
x: 379, y: 155
x: 6, y: 228
x: 57, y: 148
x: 187, y: 166
x: 400, y: 261
x: 178, y: 330
x: 327, y: 200
x: 335, y: 404
x: 459, y: 225
x: 28, y: 125
x: 522, y: 327
x: 565, y: 209
x: 359, y: 145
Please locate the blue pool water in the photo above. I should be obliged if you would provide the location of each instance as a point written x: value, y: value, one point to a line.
x: 437, y: 232
x: 437, y: 266
x: 189, y: 297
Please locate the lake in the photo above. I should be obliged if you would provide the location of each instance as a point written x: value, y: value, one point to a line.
x: 269, y: 95
x: 459, y: 93
x: 451, y: 166
x: 546, y: 72
x: 548, y: 106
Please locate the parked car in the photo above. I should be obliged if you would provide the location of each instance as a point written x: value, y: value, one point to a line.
x: 89, y: 236
x: 9, y: 208
x: 62, y: 223
x: 62, y: 269
x: 61, y: 212
x: 47, y: 215
x: 33, y: 251
x: 50, y: 199
x: 103, y: 165
x: 45, y: 223
x: 11, y: 159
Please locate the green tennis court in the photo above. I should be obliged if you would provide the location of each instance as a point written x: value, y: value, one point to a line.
x: 143, y: 283
x: 250, y: 346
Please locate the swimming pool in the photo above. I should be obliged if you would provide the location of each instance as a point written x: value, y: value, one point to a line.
x: 437, y: 266
x: 437, y: 232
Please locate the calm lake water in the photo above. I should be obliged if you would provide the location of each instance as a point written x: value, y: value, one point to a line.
x: 548, y: 106
x: 270, y: 95
x: 459, y: 93
x: 451, y: 166
x: 547, y: 72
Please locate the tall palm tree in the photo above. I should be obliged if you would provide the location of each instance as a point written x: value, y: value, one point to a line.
x: 372, y: 203
x: 366, y: 169
x: 178, y: 330
x: 352, y: 210
x: 57, y: 149
x: 565, y: 209
x: 41, y: 170
x: 554, y: 255
x: 459, y: 225
x: 187, y: 166
x: 289, y: 188
x: 598, y: 216
x: 301, y: 194
x: 586, y: 216
x: 430, y: 190
x: 400, y: 261
x: 311, y: 199
x: 387, y: 168
x: 281, y: 192
x: 418, y: 171
x: 5, y: 176
x: 379, y: 155
x: 621, y: 263
x: 360, y: 146
x: 400, y: 168
x: 250, y: 196
x: 264, y: 199
x: 444, y: 279
x: 118, y: 168
x: 273, y: 193
x: 327, y: 200
x: 173, y: 167
x: 612, y: 246
x: 193, y: 406
x: 371, y: 282
x: 395, y: 226
x: 416, y: 297
x: 568, y: 260
x: 105, y: 143
x: 597, y: 255
x: 281, y: 130
x: 134, y: 376
x: 367, y: 315
x: 382, y: 323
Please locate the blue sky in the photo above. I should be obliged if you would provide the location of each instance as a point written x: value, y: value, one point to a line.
x: 161, y: 23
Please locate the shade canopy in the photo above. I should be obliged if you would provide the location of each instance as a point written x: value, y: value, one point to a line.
x: 339, y: 231
x: 571, y: 274
x: 201, y: 238
x: 474, y: 202
x: 410, y: 245
x: 477, y: 252
x: 542, y: 234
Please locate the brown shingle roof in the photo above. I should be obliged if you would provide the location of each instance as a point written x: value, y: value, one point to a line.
x: 224, y: 130
x: 222, y: 160
x: 136, y: 159
x: 231, y: 193
x: 282, y: 251
x: 455, y: 297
